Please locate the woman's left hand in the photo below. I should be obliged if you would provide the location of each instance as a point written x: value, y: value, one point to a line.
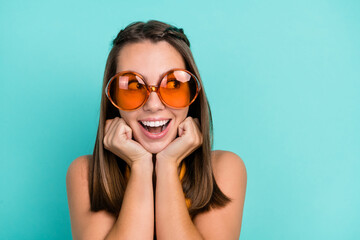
x: 190, y: 138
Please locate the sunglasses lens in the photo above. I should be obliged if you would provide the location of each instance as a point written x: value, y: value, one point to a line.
x: 127, y: 91
x: 178, y: 89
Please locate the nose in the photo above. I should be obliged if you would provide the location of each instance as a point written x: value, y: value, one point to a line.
x: 153, y: 103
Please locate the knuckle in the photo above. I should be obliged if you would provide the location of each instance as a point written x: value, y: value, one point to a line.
x: 192, y: 140
x: 121, y: 129
x: 128, y: 128
x: 105, y: 142
x: 199, y: 140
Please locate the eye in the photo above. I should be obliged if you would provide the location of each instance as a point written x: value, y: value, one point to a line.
x: 134, y: 85
x: 173, y: 83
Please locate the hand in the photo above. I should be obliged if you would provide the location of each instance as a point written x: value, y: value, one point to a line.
x: 118, y: 140
x: 190, y: 138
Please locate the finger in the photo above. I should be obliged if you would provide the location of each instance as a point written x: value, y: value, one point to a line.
x: 186, y: 126
x: 116, y: 135
x: 182, y: 128
x: 194, y: 128
x: 198, y: 128
x: 125, y: 130
x: 116, y: 132
x: 122, y: 130
x: 112, y: 126
x: 108, y: 123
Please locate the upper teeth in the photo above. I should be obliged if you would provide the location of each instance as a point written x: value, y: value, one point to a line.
x: 154, y: 123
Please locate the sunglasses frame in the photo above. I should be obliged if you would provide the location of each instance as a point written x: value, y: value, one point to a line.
x: 152, y: 88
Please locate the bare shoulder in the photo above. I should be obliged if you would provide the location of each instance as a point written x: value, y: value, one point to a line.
x: 85, y: 224
x: 230, y: 174
x: 77, y: 178
x: 79, y: 168
x: 228, y: 164
x: 231, y: 177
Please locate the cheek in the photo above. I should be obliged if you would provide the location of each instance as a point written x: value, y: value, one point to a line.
x: 129, y: 117
x: 181, y: 115
x: 185, y: 113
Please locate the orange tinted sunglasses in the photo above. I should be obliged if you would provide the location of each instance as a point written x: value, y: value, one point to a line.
x: 128, y: 90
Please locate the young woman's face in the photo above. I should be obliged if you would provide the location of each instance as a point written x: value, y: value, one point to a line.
x: 151, y: 60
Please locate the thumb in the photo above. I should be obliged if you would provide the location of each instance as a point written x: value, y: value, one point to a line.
x: 181, y: 129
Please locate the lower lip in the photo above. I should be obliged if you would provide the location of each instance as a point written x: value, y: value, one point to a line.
x: 155, y: 136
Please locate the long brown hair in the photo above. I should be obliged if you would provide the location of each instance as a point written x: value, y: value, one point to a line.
x: 107, y: 180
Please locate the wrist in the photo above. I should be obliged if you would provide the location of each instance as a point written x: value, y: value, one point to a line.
x: 142, y: 165
x: 165, y: 165
x: 162, y: 158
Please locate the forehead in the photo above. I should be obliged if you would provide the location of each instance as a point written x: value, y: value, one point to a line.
x: 149, y: 59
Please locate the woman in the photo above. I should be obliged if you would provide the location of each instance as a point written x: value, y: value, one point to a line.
x: 152, y: 173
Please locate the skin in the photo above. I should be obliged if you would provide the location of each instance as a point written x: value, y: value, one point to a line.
x: 171, y: 214
x: 151, y: 60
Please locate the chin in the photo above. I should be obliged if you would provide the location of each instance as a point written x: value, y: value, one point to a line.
x: 155, y: 147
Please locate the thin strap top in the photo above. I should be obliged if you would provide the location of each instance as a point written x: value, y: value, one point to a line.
x: 181, y: 176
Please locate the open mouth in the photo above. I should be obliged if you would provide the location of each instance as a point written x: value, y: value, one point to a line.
x: 155, y: 127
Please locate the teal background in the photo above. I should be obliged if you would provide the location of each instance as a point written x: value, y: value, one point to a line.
x: 282, y: 78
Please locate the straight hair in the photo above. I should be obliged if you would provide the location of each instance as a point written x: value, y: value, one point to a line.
x: 107, y: 181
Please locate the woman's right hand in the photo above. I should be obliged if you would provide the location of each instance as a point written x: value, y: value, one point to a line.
x: 118, y: 140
